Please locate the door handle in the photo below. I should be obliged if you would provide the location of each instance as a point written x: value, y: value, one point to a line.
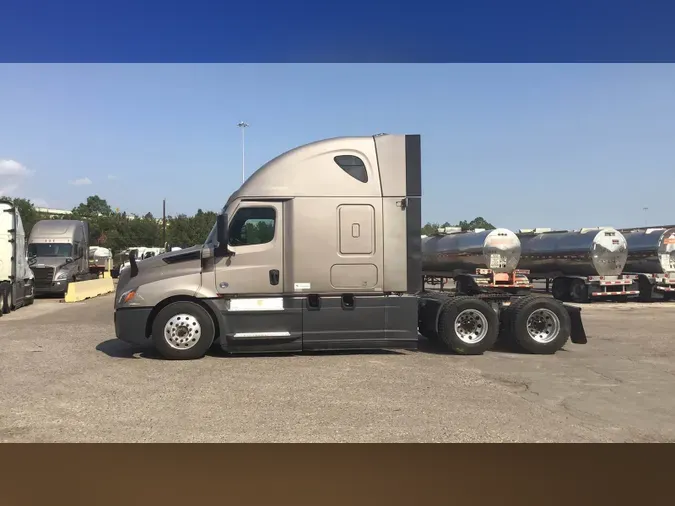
x: 274, y: 276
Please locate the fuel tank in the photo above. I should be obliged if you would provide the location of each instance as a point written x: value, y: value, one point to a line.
x: 600, y: 251
x: 464, y: 252
x: 650, y: 251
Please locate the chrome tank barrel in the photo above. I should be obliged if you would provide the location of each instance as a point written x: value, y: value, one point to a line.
x: 585, y: 252
x: 651, y: 251
x: 464, y: 252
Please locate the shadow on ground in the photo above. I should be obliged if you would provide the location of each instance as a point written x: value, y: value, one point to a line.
x: 115, y: 348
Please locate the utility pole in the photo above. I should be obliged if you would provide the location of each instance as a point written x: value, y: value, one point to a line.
x: 242, y: 125
x: 164, y: 222
x: 645, y: 209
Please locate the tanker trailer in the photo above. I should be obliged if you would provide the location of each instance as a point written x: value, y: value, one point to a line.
x: 475, y: 260
x: 584, y: 264
x: 651, y: 257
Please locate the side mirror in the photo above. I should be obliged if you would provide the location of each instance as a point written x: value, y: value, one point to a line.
x: 221, y: 233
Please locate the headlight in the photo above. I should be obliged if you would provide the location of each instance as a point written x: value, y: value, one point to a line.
x: 127, y: 296
x: 61, y: 276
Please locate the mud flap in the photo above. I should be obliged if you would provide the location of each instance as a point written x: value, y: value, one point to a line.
x: 578, y: 333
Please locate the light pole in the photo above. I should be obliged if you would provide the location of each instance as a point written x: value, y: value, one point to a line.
x: 243, y: 125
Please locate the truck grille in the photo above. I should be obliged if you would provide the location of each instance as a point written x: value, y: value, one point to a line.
x: 43, y: 277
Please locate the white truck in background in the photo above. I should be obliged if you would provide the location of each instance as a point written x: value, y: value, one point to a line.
x: 121, y: 260
x: 17, y: 282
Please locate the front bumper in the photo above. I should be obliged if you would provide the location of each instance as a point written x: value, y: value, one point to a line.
x: 53, y: 287
x: 130, y: 323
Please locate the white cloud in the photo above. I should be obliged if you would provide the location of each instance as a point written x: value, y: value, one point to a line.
x: 12, y: 174
x: 13, y: 168
x: 112, y: 177
x: 80, y: 182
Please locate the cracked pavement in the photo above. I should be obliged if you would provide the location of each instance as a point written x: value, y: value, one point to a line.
x: 64, y: 377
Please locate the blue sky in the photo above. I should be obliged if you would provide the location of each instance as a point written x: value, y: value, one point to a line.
x: 562, y: 145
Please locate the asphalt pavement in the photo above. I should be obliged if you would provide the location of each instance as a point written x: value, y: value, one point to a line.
x: 65, y: 378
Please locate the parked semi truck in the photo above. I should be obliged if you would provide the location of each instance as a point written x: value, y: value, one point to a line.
x: 651, y: 257
x: 583, y: 264
x: 320, y: 249
x: 475, y: 260
x: 58, y: 253
x: 16, y: 278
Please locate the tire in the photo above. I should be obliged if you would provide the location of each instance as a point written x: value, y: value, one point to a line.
x: 480, y: 319
x: 4, y: 299
x: 579, y: 291
x: 645, y: 288
x: 561, y: 289
x: 11, y: 303
x: 539, y: 325
x: 196, y: 343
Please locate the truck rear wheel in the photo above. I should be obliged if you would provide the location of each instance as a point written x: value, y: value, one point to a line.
x: 183, y: 331
x: 539, y: 325
x: 468, y: 326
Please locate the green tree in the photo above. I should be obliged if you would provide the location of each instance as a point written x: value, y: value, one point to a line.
x: 94, y: 206
x: 479, y: 222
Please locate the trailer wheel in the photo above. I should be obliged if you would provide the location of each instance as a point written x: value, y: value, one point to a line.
x: 540, y: 325
x: 579, y: 291
x: 468, y: 326
x: 183, y: 331
x: 645, y: 288
x: 561, y: 289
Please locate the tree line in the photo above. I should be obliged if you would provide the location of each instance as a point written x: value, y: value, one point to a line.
x: 479, y: 222
x: 118, y: 231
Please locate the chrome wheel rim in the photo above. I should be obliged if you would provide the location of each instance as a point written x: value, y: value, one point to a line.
x: 471, y: 326
x: 543, y: 326
x: 182, y: 331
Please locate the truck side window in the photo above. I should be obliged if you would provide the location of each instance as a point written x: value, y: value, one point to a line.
x: 252, y: 225
x: 353, y: 166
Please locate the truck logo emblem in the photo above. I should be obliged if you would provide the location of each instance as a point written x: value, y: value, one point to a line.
x: 224, y: 284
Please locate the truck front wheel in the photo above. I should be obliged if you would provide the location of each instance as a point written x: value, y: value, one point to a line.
x: 183, y: 331
x: 468, y: 326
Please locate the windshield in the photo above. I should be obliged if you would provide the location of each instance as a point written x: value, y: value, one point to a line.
x: 52, y: 249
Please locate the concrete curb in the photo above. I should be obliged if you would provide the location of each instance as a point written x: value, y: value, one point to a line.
x: 82, y: 290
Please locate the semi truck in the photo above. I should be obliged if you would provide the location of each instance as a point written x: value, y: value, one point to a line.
x: 16, y: 278
x: 320, y: 249
x: 58, y: 253
x: 475, y: 260
x: 651, y: 257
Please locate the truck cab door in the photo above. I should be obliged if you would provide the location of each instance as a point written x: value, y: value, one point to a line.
x: 257, y: 314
